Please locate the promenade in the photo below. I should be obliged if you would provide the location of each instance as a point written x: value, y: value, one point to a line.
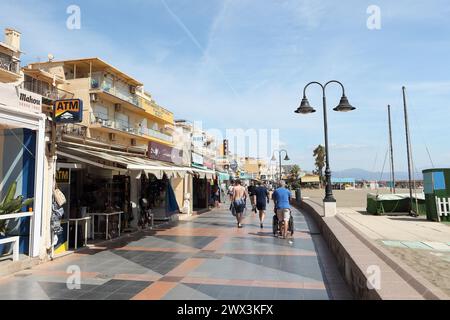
x: 205, y: 257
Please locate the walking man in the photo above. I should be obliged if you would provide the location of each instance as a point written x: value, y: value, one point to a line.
x: 262, y: 196
x: 251, y: 192
x: 239, y: 200
x: 281, y: 198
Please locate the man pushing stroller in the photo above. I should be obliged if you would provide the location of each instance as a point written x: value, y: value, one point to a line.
x: 281, y: 198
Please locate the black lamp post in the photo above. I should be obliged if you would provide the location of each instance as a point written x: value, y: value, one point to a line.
x: 343, y: 106
x: 286, y: 158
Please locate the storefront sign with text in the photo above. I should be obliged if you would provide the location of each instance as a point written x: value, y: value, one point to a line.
x: 68, y: 111
x: 161, y: 152
x: 63, y: 175
x: 30, y: 101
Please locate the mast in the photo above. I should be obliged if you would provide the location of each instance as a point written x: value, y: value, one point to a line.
x: 391, y: 148
x: 408, y: 151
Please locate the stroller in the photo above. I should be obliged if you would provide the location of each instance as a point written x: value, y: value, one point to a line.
x: 276, y: 225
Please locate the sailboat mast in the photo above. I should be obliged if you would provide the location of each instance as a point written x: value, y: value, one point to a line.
x: 408, y: 151
x: 391, y: 148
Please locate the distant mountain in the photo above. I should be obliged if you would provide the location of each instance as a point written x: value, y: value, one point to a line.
x: 361, y: 174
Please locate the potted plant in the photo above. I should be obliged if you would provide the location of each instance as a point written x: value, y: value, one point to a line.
x: 10, y: 205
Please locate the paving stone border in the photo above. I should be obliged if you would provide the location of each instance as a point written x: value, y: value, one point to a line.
x: 419, y: 283
x: 356, y: 254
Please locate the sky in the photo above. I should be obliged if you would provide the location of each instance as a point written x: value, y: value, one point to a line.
x: 243, y: 64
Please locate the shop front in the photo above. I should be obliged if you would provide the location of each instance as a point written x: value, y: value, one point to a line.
x: 171, y: 187
x: 224, y: 181
x: 22, y: 173
x: 202, y: 184
x: 108, y: 183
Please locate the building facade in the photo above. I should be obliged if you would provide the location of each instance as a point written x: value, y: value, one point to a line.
x: 24, y: 165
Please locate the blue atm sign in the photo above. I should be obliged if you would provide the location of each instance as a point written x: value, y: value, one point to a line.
x: 68, y: 110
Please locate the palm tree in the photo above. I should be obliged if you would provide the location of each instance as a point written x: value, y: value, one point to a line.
x: 319, y: 155
x: 295, y: 171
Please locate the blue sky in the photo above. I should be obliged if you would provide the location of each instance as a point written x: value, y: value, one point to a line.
x: 243, y: 64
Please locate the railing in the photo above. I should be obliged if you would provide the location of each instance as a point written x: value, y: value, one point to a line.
x: 104, y: 121
x: 9, y: 65
x: 51, y: 93
x: 98, y: 82
x: 158, y: 135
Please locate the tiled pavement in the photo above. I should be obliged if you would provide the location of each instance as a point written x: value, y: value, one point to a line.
x: 204, y: 258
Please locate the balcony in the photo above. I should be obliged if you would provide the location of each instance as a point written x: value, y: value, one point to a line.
x: 9, y: 69
x: 103, y: 84
x: 157, y: 135
x: 103, y: 121
x: 45, y: 90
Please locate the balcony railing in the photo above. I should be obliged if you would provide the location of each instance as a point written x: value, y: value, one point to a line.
x: 157, y: 134
x: 104, y: 121
x: 9, y: 65
x: 98, y: 83
x: 51, y: 93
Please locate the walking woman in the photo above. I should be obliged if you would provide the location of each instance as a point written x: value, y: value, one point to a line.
x: 239, y: 200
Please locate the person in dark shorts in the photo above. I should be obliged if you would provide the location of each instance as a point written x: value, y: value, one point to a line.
x: 239, y: 199
x: 262, y: 197
x: 251, y: 192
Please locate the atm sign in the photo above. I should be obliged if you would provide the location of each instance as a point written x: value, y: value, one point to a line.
x: 68, y: 111
x: 63, y: 175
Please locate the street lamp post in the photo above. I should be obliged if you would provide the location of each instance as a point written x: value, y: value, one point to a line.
x: 286, y: 158
x: 344, y: 106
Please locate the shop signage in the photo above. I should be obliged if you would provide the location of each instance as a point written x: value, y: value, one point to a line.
x: 198, y: 140
x: 161, y: 152
x: 156, y: 111
x: 68, y: 111
x: 63, y: 175
x: 197, y: 159
x: 208, y: 163
x: 234, y: 165
x: 225, y: 147
x: 30, y: 101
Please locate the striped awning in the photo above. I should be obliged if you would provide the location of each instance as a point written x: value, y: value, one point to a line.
x: 134, y: 165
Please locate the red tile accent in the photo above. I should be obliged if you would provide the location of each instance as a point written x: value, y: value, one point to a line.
x: 156, y: 291
x: 177, y: 250
x: 186, y: 267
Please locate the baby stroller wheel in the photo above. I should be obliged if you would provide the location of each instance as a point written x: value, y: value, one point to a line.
x: 275, y: 225
x: 291, y: 225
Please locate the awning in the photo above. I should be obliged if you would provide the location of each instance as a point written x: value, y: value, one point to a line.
x: 343, y: 180
x: 134, y: 165
x: 204, y: 173
x: 223, y: 176
x: 310, y: 179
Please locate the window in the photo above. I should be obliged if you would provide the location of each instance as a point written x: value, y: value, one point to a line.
x: 101, y: 112
x: 121, y: 121
x: 144, y: 126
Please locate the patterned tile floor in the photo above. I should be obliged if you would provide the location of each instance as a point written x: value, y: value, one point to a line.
x: 204, y: 258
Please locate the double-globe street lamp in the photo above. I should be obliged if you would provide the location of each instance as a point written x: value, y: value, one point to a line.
x: 286, y: 158
x: 305, y: 108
